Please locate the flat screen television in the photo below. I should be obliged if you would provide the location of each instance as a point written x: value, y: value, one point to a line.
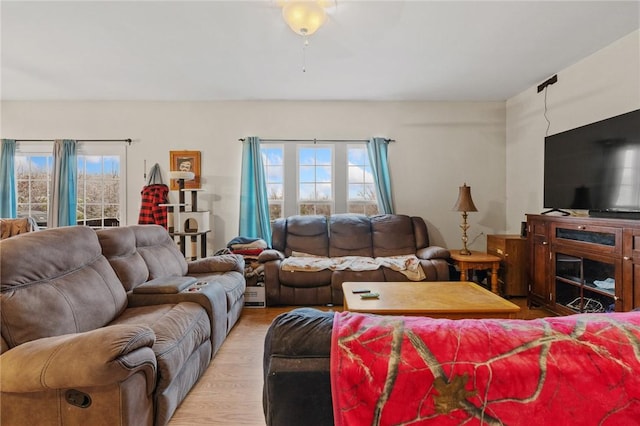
x: 595, y: 167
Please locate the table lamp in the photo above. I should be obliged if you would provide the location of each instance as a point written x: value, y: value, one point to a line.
x: 464, y: 204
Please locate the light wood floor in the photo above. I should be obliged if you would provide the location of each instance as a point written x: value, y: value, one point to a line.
x: 230, y: 391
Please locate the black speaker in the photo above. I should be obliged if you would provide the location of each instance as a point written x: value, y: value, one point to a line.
x: 523, y: 229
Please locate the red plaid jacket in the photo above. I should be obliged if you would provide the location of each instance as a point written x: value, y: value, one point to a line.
x: 150, y: 211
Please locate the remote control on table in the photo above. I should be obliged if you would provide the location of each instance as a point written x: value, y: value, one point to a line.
x: 361, y: 290
x: 369, y: 295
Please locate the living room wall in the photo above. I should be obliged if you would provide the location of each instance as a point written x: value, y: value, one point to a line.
x: 600, y: 86
x: 439, y: 146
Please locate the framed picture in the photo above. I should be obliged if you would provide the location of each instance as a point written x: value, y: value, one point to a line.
x: 185, y: 161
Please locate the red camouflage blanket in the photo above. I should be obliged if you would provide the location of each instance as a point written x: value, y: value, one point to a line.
x: 574, y: 370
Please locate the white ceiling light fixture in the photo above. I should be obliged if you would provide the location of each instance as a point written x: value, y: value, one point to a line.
x: 304, y: 17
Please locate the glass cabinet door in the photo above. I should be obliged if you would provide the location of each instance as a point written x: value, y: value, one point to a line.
x: 584, y: 284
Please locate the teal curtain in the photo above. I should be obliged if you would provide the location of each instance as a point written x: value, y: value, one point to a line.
x: 8, y: 190
x: 377, y: 149
x: 64, y: 193
x: 254, y: 205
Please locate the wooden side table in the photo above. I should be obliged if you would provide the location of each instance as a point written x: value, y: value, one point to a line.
x: 477, y: 260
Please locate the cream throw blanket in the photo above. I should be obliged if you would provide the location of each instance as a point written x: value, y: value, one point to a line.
x: 408, y: 265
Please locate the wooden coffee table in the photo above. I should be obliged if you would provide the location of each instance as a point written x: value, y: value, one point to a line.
x: 436, y: 299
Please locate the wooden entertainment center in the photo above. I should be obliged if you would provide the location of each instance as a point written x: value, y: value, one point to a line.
x: 583, y: 264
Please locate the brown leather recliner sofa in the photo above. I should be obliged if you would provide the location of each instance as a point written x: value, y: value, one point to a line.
x: 107, y: 327
x: 344, y: 235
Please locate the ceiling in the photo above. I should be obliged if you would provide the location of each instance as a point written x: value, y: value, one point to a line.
x: 243, y: 50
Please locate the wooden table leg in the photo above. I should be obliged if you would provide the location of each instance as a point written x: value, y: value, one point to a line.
x: 463, y: 274
x: 494, y: 278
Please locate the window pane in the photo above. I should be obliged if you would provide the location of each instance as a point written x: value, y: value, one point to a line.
x: 355, y: 208
x: 275, y: 191
x: 111, y: 166
x: 275, y: 211
x: 368, y: 174
x: 307, y: 173
x: 306, y: 209
x: 307, y: 156
x: 323, y: 174
x: 307, y: 191
x: 32, y: 184
x: 371, y: 209
x: 99, y: 190
x: 273, y: 163
x: 323, y: 156
x: 361, y: 186
x: 356, y: 192
x: 275, y: 174
x: 323, y: 191
x: 112, y: 211
x: 356, y: 156
x: 323, y: 209
x: 93, y: 194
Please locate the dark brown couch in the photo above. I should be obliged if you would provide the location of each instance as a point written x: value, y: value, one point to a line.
x: 344, y: 235
x: 116, y: 340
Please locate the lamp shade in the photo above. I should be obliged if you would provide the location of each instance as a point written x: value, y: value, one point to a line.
x: 177, y: 174
x: 464, y: 202
x: 304, y: 17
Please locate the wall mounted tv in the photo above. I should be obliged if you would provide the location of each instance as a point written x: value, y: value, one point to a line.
x: 595, y: 167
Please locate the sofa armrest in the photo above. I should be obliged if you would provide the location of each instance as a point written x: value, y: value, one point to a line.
x: 165, y: 285
x: 222, y: 263
x: 269, y: 255
x: 93, y: 358
x: 433, y: 252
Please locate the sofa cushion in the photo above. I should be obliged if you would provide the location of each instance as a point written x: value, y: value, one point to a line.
x: 307, y: 234
x: 304, y: 279
x: 74, y: 285
x: 180, y: 330
x: 350, y: 235
x: 119, y: 246
x: 392, y: 235
x: 159, y: 251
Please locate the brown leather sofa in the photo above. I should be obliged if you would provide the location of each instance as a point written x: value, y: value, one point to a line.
x: 116, y: 340
x: 344, y: 235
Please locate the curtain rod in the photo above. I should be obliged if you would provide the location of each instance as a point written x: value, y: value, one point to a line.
x: 316, y: 140
x: 78, y: 140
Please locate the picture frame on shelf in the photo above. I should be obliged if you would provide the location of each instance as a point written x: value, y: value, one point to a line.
x: 186, y: 161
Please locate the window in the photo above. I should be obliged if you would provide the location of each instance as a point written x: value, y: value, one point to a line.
x: 315, y: 183
x: 98, y: 190
x: 273, y: 163
x: 361, y: 191
x: 100, y: 185
x: 33, y: 177
x: 326, y: 179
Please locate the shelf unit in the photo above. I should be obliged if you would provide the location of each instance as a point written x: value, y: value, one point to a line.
x: 580, y: 264
x: 512, y: 275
